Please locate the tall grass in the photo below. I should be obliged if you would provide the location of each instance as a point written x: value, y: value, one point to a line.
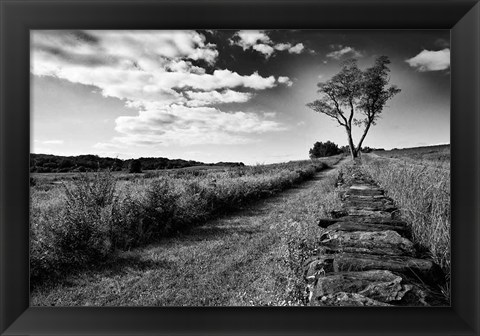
x: 422, y: 192
x: 90, y: 217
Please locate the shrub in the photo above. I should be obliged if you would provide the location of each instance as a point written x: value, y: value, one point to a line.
x: 159, y: 205
x: 321, y: 149
x: 88, y: 217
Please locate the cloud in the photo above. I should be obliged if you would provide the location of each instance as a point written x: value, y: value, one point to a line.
x: 282, y: 46
x: 216, y: 97
x: 344, y: 51
x: 259, y: 40
x: 296, y: 49
x: 428, y: 60
x: 249, y: 38
x: 162, y: 74
x: 264, y: 49
x: 182, y: 125
x: 285, y: 80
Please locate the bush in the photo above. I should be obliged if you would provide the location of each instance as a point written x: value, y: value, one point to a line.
x: 321, y: 149
x: 76, y: 230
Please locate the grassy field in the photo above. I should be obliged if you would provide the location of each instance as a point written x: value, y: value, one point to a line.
x: 438, y: 156
x: 421, y: 190
x: 250, y: 257
x: 80, y: 221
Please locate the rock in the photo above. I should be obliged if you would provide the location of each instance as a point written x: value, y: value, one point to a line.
x: 353, y: 226
x: 420, y: 270
x: 346, y: 196
x: 369, y: 209
x: 377, y: 242
x: 365, y: 192
x: 365, y: 187
x: 368, y: 202
x: 343, y: 299
x: 325, y: 222
x: 378, y: 285
x: 354, y: 211
x: 368, y: 219
x: 338, y: 213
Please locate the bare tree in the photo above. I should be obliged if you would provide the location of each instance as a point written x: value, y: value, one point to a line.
x: 356, y: 97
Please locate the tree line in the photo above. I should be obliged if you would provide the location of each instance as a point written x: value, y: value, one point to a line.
x: 46, y: 163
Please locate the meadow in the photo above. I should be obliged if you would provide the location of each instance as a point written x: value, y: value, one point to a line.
x: 419, y: 182
x: 84, y: 219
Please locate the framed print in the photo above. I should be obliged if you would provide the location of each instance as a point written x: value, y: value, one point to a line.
x: 229, y: 167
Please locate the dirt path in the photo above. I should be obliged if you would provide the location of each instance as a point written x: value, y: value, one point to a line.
x: 246, y: 258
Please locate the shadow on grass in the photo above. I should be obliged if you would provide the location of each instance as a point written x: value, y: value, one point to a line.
x: 119, y: 264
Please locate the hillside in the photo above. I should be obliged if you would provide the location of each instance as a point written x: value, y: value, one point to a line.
x: 440, y: 153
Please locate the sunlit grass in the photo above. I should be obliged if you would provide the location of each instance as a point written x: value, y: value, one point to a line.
x: 422, y: 192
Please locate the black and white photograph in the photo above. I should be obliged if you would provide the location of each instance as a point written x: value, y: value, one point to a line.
x: 240, y: 168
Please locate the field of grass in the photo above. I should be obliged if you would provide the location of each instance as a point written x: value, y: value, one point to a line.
x: 252, y: 256
x: 438, y: 156
x: 421, y: 190
x: 85, y: 220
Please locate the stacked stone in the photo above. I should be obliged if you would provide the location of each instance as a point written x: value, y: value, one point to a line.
x: 366, y: 258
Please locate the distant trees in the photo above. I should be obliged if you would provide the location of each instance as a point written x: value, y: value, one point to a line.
x: 135, y: 167
x: 46, y: 163
x: 321, y: 149
x: 356, y: 97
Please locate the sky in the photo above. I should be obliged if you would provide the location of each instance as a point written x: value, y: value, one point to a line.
x: 225, y: 95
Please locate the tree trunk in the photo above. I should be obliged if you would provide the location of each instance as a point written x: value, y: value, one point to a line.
x: 359, y: 146
x: 353, y: 152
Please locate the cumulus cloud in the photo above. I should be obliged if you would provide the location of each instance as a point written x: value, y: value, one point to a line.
x: 184, y: 125
x: 159, y: 73
x: 344, y: 51
x: 264, y: 49
x: 285, y: 80
x: 259, y: 40
x: 217, y: 97
x: 282, y: 46
x: 249, y: 38
x: 428, y: 60
x: 296, y: 49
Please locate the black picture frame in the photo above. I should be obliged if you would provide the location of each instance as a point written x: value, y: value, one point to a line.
x: 17, y: 17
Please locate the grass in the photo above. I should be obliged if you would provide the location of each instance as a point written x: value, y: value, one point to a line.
x: 438, y: 156
x: 422, y: 192
x: 253, y: 256
x: 83, y: 221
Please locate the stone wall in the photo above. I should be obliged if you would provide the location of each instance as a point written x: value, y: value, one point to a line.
x: 366, y: 257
